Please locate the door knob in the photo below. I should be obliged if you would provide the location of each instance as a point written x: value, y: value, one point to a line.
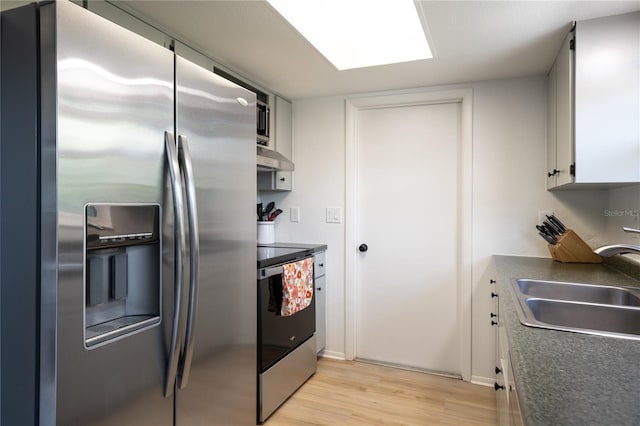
x: 363, y: 248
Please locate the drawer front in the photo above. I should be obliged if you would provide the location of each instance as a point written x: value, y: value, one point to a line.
x: 280, y: 381
x: 319, y: 264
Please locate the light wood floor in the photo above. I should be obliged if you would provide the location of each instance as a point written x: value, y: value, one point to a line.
x: 356, y: 393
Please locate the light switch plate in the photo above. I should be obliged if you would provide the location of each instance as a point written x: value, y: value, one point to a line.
x: 294, y: 214
x: 334, y: 215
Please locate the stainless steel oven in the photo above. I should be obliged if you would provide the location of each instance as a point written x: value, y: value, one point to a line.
x: 279, y: 335
x: 286, y: 344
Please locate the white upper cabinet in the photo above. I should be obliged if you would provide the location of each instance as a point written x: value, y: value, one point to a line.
x: 560, y: 117
x: 594, y: 104
x: 281, y: 141
x: 284, y: 141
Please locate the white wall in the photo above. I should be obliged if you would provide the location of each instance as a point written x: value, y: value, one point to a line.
x: 622, y: 209
x: 509, y: 139
x: 319, y: 182
x: 509, y: 189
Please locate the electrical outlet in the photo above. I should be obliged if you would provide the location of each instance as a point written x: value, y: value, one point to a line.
x: 542, y: 215
x: 294, y: 214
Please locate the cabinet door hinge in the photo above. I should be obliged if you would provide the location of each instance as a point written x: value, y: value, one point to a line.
x: 572, y: 169
x: 572, y: 44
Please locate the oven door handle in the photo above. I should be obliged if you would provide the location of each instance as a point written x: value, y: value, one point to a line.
x: 276, y: 270
x: 270, y: 272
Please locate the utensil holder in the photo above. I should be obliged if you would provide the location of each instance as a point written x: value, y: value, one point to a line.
x: 266, y: 232
x: 572, y: 249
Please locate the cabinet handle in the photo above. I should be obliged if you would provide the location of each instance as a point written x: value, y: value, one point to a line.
x: 553, y: 173
x: 498, y: 370
x: 319, y: 289
x: 493, y: 315
x: 281, y: 179
x: 321, y: 265
x: 494, y: 294
x: 494, y: 323
x: 492, y: 281
x: 498, y: 387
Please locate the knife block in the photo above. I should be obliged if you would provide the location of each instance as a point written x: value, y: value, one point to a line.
x: 572, y: 249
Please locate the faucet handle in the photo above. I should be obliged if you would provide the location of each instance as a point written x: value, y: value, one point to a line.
x: 625, y: 229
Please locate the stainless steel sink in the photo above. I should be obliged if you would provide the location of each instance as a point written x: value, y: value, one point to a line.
x: 586, y: 316
x: 582, y: 308
x: 576, y: 292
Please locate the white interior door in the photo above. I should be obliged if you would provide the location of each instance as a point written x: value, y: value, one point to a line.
x: 407, y: 186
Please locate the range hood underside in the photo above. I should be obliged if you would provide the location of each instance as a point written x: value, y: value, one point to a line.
x: 269, y: 161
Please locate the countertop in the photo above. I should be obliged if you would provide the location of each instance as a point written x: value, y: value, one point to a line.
x: 565, y: 378
x: 314, y: 248
x: 273, y: 254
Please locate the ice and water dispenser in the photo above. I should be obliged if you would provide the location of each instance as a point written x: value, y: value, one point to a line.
x: 122, y: 270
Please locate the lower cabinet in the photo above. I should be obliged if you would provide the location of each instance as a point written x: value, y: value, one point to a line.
x: 514, y: 405
x: 320, y: 283
x: 506, y: 394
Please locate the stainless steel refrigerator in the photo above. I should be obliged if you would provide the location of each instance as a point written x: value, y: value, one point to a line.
x: 127, y: 229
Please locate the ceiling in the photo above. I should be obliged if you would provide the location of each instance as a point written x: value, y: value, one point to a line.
x: 471, y: 41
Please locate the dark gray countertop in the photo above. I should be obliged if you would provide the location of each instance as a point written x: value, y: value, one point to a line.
x: 273, y: 254
x: 314, y: 248
x: 566, y: 378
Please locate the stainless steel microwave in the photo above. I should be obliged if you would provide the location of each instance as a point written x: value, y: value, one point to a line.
x: 262, y: 118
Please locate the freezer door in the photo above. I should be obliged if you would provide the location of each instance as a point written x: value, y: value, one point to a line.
x: 219, y: 385
x: 114, y: 104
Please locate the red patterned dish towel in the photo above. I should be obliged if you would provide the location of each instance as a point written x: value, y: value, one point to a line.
x: 297, y: 286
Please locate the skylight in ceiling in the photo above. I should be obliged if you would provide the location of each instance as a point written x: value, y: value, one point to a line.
x: 359, y: 33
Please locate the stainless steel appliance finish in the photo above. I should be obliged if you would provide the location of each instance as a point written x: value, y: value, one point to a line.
x: 576, y: 292
x: 613, y: 249
x: 113, y: 106
x: 286, y: 344
x: 587, y: 316
x: 263, y: 122
x: 279, y: 382
x: 106, y: 136
x: 580, y: 308
x: 270, y: 160
x: 220, y: 387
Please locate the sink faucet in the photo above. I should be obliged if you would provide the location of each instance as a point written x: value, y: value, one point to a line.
x: 613, y: 249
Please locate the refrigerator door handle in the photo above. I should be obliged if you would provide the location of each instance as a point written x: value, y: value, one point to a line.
x: 184, y: 158
x: 180, y: 249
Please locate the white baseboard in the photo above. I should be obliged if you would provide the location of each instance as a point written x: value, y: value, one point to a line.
x: 333, y: 355
x: 477, y: 380
x: 484, y: 381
